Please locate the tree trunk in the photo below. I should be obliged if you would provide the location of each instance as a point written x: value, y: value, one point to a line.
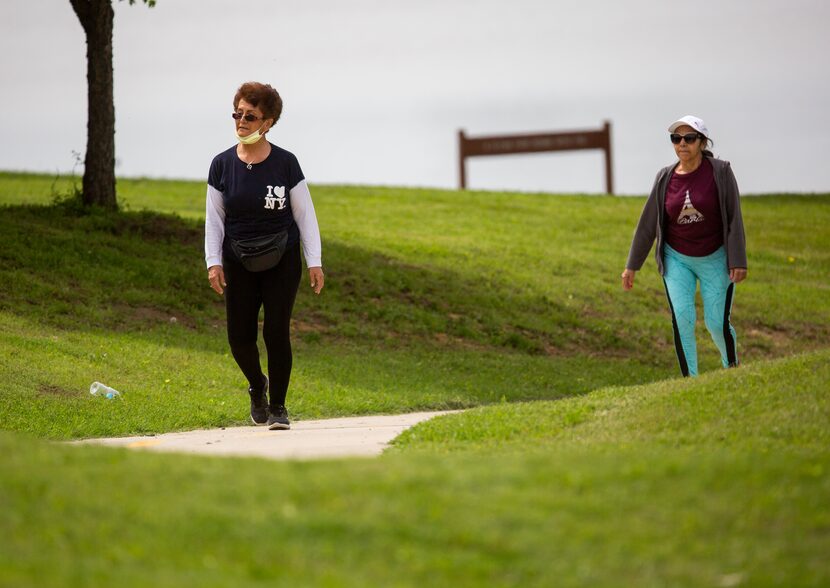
x: 97, y: 17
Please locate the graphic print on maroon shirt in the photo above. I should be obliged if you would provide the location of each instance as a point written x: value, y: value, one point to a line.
x: 693, y: 222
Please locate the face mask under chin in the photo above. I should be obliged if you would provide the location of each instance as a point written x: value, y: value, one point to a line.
x: 250, y: 139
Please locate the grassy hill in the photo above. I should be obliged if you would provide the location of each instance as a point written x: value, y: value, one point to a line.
x: 587, y: 462
x: 458, y: 299
x: 724, y: 481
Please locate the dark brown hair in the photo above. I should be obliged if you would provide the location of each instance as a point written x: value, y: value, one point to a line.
x: 261, y: 96
x: 707, y: 146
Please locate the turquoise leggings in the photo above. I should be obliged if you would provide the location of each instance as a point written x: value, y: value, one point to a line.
x: 681, y: 274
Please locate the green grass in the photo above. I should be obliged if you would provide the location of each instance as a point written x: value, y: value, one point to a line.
x: 534, y: 273
x: 723, y: 482
x: 781, y: 405
x: 184, y: 198
x: 582, y: 461
x: 171, y: 378
x: 464, y: 307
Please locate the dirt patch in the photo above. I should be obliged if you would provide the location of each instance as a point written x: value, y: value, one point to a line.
x: 52, y: 390
x: 146, y: 315
x: 783, y: 339
x: 452, y: 342
x: 308, y: 325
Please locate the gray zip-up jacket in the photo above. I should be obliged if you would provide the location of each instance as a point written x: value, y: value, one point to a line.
x: 652, y: 218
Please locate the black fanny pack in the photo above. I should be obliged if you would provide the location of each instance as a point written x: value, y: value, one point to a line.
x: 260, y: 253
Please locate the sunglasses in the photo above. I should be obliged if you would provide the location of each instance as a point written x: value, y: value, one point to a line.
x: 689, y: 138
x: 247, y: 117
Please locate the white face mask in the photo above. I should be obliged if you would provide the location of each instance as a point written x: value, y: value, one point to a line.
x: 250, y: 139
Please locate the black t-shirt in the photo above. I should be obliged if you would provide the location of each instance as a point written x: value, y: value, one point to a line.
x: 257, y: 199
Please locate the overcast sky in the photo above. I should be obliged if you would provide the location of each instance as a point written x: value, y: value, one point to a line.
x: 376, y: 90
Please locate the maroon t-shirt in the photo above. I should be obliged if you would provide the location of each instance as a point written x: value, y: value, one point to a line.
x: 693, y: 222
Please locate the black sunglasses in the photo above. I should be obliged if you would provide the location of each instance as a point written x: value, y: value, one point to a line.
x: 247, y: 117
x: 689, y: 138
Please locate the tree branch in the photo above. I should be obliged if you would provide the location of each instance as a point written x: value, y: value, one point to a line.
x: 81, y: 8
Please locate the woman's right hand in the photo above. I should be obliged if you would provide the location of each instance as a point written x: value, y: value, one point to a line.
x: 216, y: 277
x: 628, y: 279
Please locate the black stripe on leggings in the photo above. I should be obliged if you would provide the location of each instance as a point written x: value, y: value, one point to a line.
x: 678, y: 346
x: 731, y: 352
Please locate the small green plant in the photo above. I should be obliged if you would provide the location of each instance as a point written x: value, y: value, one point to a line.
x: 69, y: 199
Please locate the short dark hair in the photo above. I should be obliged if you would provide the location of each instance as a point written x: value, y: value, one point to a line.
x: 261, y: 96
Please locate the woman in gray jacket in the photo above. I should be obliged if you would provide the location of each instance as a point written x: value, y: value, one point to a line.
x: 694, y: 212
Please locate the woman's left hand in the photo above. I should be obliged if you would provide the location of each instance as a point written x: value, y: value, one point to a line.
x: 315, y: 275
x: 737, y: 274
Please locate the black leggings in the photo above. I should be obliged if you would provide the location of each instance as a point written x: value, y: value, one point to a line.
x: 246, y: 293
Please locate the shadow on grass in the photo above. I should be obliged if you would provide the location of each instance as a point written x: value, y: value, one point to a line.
x: 94, y: 294
x: 143, y: 273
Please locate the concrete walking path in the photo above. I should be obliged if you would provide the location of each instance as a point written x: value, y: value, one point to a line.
x: 363, y: 436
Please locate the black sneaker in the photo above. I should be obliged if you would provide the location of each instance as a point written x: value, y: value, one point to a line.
x: 278, y: 418
x: 259, y: 404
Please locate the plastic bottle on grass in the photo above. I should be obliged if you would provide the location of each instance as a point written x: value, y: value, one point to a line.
x: 99, y: 389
